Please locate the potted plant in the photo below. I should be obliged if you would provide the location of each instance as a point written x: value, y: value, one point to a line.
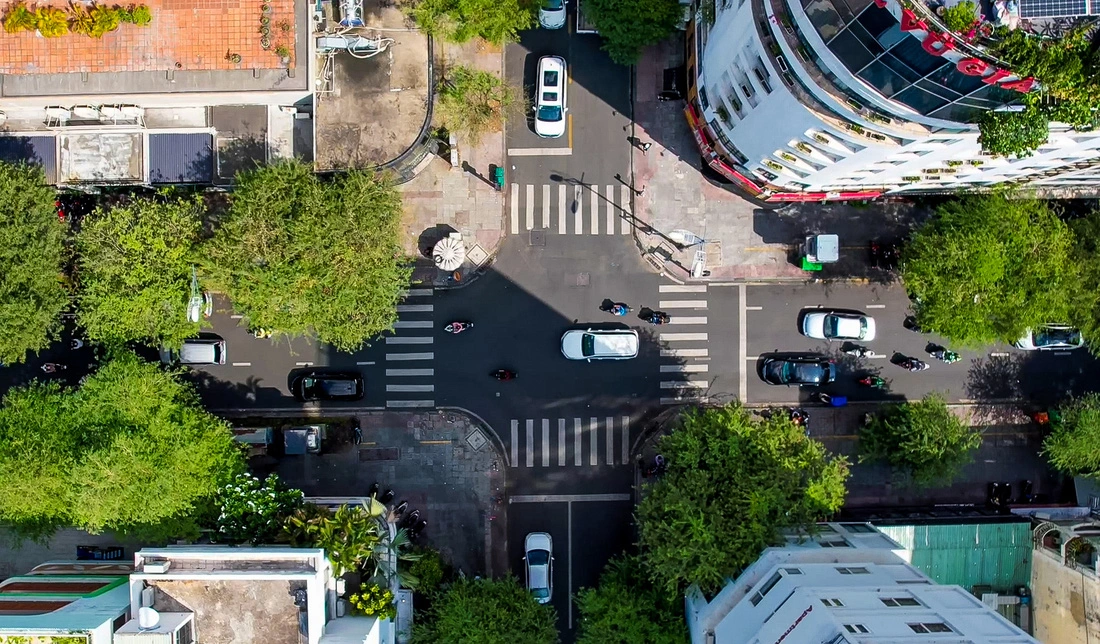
x: 264, y: 30
x: 232, y: 57
x: 265, y: 43
x: 104, y: 20
x: 141, y: 15
x: 283, y: 52
x: 51, y: 22
x: 19, y: 18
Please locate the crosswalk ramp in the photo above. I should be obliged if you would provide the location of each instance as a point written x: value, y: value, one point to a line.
x: 685, y: 369
x: 571, y: 209
x: 410, y: 354
x: 570, y: 442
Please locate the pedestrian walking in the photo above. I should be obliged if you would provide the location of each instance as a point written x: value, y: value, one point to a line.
x: 645, y: 147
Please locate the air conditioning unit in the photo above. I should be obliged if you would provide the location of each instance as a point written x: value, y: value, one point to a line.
x: 156, y: 567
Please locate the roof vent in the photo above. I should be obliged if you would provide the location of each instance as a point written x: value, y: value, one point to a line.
x: 156, y: 567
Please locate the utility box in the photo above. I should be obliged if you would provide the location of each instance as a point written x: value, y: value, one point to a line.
x: 822, y: 249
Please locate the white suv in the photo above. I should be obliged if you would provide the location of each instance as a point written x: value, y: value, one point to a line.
x: 615, y: 344
x: 538, y: 565
x: 550, y: 103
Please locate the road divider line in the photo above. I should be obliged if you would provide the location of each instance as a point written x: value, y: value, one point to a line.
x: 684, y: 368
x: 546, y: 207
x: 410, y: 404
x: 742, y: 345
x: 514, y: 198
x: 876, y: 306
x: 562, y: 220
x: 684, y: 353
x: 439, y: 442
x: 415, y: 308
x: 683, y: 304
x: 529, y: 207
x: 410, y: 389
x: 594, y: 203
x: 682, y: 288
x: 242, y: 364
x: 625, y: 428
x: 566, y: 498
x: 684, y: 384
x: 515, y: 443
x: 418, y: 292
x: 397, y: 357
x: 546, y: 442
x: 561, y: 442
x: 413, y: 324
x: 529, y: 450
x: 682, y: 337
x: 593, y: 436
x: 754, y: 308
x: 609, y: 193
x: 577, y: 442
x: 413, y: 339
x: 392, y: 373
x: 685, y: 320
x: 539, y: 152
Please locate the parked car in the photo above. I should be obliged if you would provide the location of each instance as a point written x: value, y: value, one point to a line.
x: 207, y: 348
x: 538, y: 565
x: 836, y: 325
x: 550, y: 99
x: 327, y: 385
x: 810, y: 369
x: 552, y: 14
x: 590, y: 344
x: 1051, y: 337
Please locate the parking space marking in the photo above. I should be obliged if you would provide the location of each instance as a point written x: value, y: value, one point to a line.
x: 390, y: 373
x: 416, y: 339
x: 242, y: 364
x: 680, y: 320
x: 626, y: 439
x: 562, y: 221
x: 682, y: 337
x: 752, y: 358
x: 415, y: 308
x: 515, y: 443
x: 514, y: 196
x: 412, y: 324
x: 684, y: 368
x: 683, y: 353
x: 577, y: 442
x: 410, y: 356
x: 593, y: 434
x: 742, y: 345
x: 609, y: 425
x: 611, y: 212
x: 530, y: 452
x: 410, y: 404
x: 683, y: 304
x: 561, y: 442
x: 530, y: 206
x: 410, y: 388
x: 684, y: 384
x: 682, y: 288
x: 546, y: 442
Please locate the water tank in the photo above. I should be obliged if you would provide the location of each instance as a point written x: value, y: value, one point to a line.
x: 148, y: 619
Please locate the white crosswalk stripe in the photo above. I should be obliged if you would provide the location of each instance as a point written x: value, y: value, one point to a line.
x: 605, y: 440
x: 580, y: 210
x: 687, y: 349
x: 412, y: 334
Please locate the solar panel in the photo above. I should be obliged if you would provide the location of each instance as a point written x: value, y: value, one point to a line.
x: 1057, y: 8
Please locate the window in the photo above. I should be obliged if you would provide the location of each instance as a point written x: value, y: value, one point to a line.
x: 858, y: 528
x: 853, y: 571
x: 792, y: 571
x: 832, y: 603
x: 895, y: 602
x: 758, y: 596
x: 857, y: 628
x: 931, y: 627
x: 835, y: 544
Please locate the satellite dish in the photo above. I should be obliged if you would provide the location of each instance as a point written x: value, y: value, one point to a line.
x: 148, y: 618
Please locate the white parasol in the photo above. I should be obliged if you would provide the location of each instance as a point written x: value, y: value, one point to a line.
x: 449, y: 253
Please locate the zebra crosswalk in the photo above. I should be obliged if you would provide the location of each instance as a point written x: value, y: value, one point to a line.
x: 409, y: 354
x: 571, y: 209
x: 570, y: 442
x: 684, y: 344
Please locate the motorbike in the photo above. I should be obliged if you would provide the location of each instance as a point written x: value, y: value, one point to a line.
x: 503, y: 374
x: 619, y: 309
x: 945, y: 355
x: 885, y: 256
x: 858, y: 351
x: 658, y: 466
x: 873, y: 381
x: 658, y: 317
x: 799, y: 417
x: 912, y: 364
x: 458, y: 327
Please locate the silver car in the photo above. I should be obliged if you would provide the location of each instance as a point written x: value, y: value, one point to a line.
x: 1051, y: 337
x: 552, y: 14
x: 538, y: 565
x: 590, y: 344
x: 834, y: 325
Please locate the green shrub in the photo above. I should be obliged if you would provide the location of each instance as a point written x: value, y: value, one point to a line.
x: 961, y: 17
x: 374, y: 601
x: 19, y: 18
x: 429, y: 569
x: 141, y: 15
x: 51, y: 22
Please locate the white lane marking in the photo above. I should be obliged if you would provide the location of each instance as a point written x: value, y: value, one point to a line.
x: 569, y: 556
x: 626, y: 439
x: 419, y: 292
x: 529, y: 447
x: 391, y: 373
x: 413, y: 324
x: 409, y: 356
x: 410, y: 404
x: 677, y: 337
x: 609, y: 192
x: 998, y: 354
x: 303, y: 364
x: 609, y: 425
x: 876, y: 306
x: 415, y: 308
x: 577, y: 442
x: 561, y: 442
x: 236, y: 316
x: 514, y: 197
x: 539, y: 152
x: 363, y: 363
x: 754, y: 308
x: 515, y: 443
x: 683, y: 304
x: 684, y: 368
x: 242, y: 364
x: 685, y: 320
x: 415, y: 339
x: 562, y: 221
x: 593, y: 434
x: 742, y: 345
x: 676, y: 400
x: 546, y: 207
x: 566, y: 498
x: 578, y: 203
x: 627, y: 212
x: 546, y: 442
x: 529, y: 206
x: 752, y: 358
x: 595, y: 208
x: 410, y: 389
x: 684, y: 384
x: 682, y: 288
x: 684, y: 353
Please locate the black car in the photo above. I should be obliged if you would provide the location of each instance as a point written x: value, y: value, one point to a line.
x: 328, y: 385
x: 798, y: 370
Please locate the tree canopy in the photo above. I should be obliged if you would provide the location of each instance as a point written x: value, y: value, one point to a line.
x: 135, y: 270
x: 627, y: 609
x: 733, y: 482
x: 627, y: 26
x: 497, y: 21
x: 1013, y: 133
x: 923, y: 440
x: 475, y: 102
x: 130, y: 449
x: 32, y: 291
x: 300, y: 255
x: 1073, y: 445
x: 485, y: 611
x: 987, y: 268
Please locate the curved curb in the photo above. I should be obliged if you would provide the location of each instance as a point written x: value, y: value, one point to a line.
x: 393, y: 163
x: 494, y: 438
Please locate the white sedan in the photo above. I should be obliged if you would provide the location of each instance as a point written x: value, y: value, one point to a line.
x: 589, y: 344
x: 1051, y: 337
x: 538, y: 565
x: 834, y: 325
x: 550, y: 101
x: 552, y: 14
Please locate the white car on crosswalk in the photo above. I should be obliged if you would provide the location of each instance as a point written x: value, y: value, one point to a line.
x: 550, y: 100
x: 591, y: 344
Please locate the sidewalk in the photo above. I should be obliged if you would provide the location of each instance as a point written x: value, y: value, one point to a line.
x: 746, y: 239
x: 442, y: 199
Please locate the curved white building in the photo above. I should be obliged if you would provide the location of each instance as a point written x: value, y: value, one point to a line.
x: 803, y: 100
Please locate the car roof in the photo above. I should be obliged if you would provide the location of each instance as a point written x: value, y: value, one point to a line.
x: 616, y: 342
x: 538, y: 541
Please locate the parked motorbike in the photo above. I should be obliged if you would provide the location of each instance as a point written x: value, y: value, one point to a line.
x: 858, y: 351
x: 503, y: 374
x: 945, y: 355
x: 912, y: 364
x: 658, y: 466
x: 874, y: 382
x: 458, y: 327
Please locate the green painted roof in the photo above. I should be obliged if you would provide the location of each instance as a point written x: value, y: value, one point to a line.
x: 983, y: 554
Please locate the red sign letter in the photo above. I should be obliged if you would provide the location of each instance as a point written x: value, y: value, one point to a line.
x: 1022, y: 85
x: 996, y: 76
x: 972, y: 66
x: 944, y: 42
x: 881, y: 4
x: 910, y: 22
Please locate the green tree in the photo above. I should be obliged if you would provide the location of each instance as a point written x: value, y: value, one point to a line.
x: 131, y: 449
x: 497, y: 21
x: 924, y: 441
x: 1086, y: 316
x: 32, y: 292
x: 733, y: 483
x: 961, y: 17
x: 1073, y: 445
x: 485, y: 611
x: 300, y: 255
x: 135, y: 270
x: 627, y: 609
x: 987, y: 268
x: 474, y: 102
x: 1013, y: 133
x: 627, y: 26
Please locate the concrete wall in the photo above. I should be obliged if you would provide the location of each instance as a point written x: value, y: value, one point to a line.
x: 1066, y: 602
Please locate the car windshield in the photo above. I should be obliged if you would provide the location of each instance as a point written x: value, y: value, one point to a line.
x: 588, y: 344
x: 553, y: 5
x: 1051, y: 337
x: 538, y: 557
x: 549, y: 113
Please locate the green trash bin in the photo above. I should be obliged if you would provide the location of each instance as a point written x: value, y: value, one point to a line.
x: 807, y: 265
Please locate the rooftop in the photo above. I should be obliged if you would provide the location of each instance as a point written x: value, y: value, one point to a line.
x: 233, y: 612
x: 996, y: 555
x: 185, y: 35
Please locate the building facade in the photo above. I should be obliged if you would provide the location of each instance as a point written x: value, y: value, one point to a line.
x: 850, y: 583
x: 803, y: 100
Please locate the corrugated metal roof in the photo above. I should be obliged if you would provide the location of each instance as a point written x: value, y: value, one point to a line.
x: 32, y: 149
x: 976, y: 554
x: 181, y: 158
